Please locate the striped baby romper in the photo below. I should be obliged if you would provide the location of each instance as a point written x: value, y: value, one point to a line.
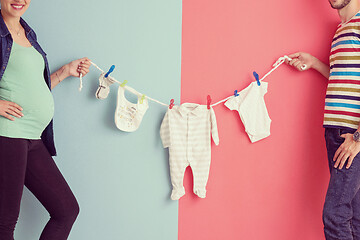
x: 186, y: 130
x: 342, y: 102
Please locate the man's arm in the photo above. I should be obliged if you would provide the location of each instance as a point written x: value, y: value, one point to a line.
x: 347, y: 151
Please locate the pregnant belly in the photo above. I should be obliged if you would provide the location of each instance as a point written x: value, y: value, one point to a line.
x: 38, y: 112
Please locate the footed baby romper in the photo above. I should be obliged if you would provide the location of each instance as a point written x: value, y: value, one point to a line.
x: 186, y: 130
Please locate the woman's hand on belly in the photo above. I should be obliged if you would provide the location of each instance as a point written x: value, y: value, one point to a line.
x: 10, y: 109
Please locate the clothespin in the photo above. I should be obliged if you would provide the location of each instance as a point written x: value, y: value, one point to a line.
x: 110, y: 71
x: 123, y: 83
x: 208, y: 101
x: 257, y: 78
x: 142, y: 99
x: 171, y: 104
x: 236, y: 93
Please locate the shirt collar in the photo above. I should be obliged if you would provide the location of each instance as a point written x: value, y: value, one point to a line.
x: 191, y: 108
x: 4, y: 31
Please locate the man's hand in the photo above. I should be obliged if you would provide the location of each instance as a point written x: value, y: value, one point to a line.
x: 301, y: 58
x: 346, y: 152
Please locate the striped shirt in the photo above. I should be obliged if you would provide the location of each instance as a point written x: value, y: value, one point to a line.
x: 342, y: 102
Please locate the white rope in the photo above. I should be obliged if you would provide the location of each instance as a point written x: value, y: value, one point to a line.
x: 81, y: 82
x: 277, y: 64
x: 130, y: 89
x: 224, y: 100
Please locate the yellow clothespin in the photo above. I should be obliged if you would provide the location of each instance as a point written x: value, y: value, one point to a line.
x: 123, y: 83
x: 142, y: 99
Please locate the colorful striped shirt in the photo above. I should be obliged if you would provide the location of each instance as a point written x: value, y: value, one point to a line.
x: 342, y: 102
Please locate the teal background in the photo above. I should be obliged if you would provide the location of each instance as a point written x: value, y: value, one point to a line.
x: 121, y: 180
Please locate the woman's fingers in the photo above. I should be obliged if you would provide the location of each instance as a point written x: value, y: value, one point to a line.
x: 16, y: 106
x: 83, y: 71
x: 17, y: 112
x: 10, y: 110
x: 8, y: 116
x: 84, y: 65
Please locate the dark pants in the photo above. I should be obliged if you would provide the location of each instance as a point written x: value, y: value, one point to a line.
x: 341, y: 214
x: 27, y: 162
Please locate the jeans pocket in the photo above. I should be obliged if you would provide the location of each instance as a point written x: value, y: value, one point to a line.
x: 339, y: 133
x: 345, y: 131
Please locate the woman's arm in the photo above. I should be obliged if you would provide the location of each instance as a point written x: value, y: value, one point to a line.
x: 73, y: 69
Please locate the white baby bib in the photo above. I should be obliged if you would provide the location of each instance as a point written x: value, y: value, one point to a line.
x: 128, y: 116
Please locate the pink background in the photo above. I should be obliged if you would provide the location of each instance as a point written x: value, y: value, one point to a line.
x: 273, y: 189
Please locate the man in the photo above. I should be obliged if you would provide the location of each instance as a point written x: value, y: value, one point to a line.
x: 341, y: 214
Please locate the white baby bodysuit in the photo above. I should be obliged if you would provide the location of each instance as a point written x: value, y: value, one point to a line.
x: 128, y: 116
x: 186, y: 130
x: 252, y: 110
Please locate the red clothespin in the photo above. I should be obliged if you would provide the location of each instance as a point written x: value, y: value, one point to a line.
x: 171, y: 104
x: 208, y: 101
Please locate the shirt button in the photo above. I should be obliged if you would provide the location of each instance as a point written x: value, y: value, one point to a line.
x: 8, y: 49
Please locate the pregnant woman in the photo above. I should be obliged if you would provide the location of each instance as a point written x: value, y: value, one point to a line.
x: 26, y: 132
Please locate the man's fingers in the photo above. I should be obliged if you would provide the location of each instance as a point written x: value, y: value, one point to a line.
x: 293, y: 61
x: 343, y: 160
x: 298, y: 64
x: 337, y: 154
x: 294, y: 55
x: 344, y: 135
x: 348, y: 165
x: 339, y: 158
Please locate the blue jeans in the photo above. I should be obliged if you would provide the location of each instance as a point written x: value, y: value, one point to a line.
x: 341, y: 214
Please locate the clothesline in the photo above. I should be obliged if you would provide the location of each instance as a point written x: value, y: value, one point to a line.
x: 130, y: 89
x: 277, y: 64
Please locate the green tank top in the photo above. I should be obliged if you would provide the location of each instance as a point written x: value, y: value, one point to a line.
x: 23, y: 83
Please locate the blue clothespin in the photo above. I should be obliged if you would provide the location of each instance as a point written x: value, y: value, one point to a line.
x: 110, y: 71
x: 257, y: 78
x: 236, y: 93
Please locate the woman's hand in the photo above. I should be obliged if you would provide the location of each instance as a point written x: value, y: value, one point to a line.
x: 79, y: 66
x: 9, y: 109
x: 299, y: 59
x: 346, y: 152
